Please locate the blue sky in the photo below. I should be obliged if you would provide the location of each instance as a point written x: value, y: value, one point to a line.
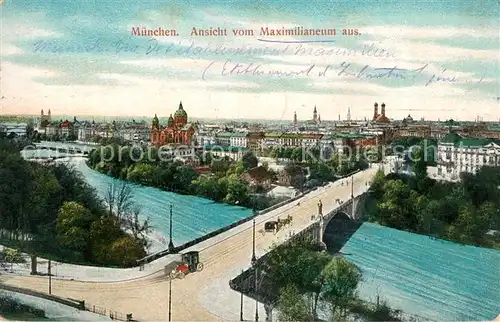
x: 457, y: 42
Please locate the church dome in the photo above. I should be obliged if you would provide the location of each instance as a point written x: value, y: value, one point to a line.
x: 180, y: 113
x: 170, y: 121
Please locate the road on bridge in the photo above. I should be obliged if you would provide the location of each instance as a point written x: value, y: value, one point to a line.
x: 147, y: 298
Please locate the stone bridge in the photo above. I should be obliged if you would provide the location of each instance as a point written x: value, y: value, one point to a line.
x: 350, y: 210
x: 81, y: 150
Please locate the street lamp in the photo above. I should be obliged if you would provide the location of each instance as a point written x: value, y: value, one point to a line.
x: 169, y: 299
x: 49, y: 270
x: 352, y: 186
x: 170, y: 243
x: 254, y: 259
x: 256, y: 296
x: 241, y: 301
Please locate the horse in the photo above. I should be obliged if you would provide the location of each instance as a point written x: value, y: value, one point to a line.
x: 288, y: 221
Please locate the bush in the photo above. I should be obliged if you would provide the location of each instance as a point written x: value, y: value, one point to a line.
x: 125, y: 251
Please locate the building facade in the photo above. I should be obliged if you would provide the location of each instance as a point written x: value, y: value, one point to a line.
x: 457, y: 154
x: 177, y: 131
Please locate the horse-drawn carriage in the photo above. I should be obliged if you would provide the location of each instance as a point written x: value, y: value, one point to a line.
x: 274, y: 226
x: 189, y: 263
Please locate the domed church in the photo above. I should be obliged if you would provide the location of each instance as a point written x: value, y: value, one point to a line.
x: 178, y: 130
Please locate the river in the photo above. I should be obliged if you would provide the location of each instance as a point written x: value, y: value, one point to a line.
x: 432, y: 278
x: 193, y: 217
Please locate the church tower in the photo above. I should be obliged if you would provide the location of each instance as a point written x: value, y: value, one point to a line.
x: 180, y: 116
x: 294, y: 118
x: 375, y: 111
x: 155, y: 125
x: 349, y: 114
x: 155, y: 130
x: 315, y: 115
x: 49, y: 117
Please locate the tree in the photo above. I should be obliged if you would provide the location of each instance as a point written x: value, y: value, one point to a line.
x: 12, y: 256
x: 103, y: 233
x: 138, y: 229
x: 73, y: 223
x: 220, y: 166
x: 110, y: 197
x: 392, y: 204
x: 292, y: 305
x: 183, y: 179
x: 377, y: 185
x: 249, y: 160
x: 313, y: 264
x: 125, y: 251
x: 119, y: 198
x: 123, y: 199
x: 276, y: 152
x: 283, y: 267
x: 237, y: 190
x: 296, y: 155
x: 340, y: 281
x: 321, y: 172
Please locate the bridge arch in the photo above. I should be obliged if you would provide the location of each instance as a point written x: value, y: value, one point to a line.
x: 340, y: 224
x: 341, y: 215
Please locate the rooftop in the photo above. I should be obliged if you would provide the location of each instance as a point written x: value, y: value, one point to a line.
x: 284, y: 135
x: 343, y: 135
x: 224, y: 148
x: 231, y: 134
x: 258, y: 173
x: 456, y: 140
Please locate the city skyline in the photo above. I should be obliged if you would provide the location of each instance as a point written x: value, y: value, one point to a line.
x: 439, y: 60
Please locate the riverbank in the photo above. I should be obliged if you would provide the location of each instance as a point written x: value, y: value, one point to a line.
x: 464, y: 212
x: 221, y: 181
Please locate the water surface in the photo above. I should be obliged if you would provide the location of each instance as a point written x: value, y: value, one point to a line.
x: 435, y: 279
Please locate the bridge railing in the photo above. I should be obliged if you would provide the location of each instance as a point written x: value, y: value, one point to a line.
x: 245, y: 282
x: 113, y: 315
x: 155, y: 256
x: 198, y: 240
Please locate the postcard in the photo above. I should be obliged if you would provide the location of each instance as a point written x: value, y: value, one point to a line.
x: 244, y: 160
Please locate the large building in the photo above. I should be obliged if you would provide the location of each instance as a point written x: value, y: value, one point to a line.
x: 178, y: 130
x: 379, y: 118
x: 457, y: 154
x: 45, y: 119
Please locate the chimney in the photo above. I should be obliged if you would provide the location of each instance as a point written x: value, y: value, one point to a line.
x: 383, y: 109
x: 375, y: 110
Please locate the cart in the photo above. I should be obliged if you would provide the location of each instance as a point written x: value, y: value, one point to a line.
x: 270, y: 226
x: 189, y: 263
